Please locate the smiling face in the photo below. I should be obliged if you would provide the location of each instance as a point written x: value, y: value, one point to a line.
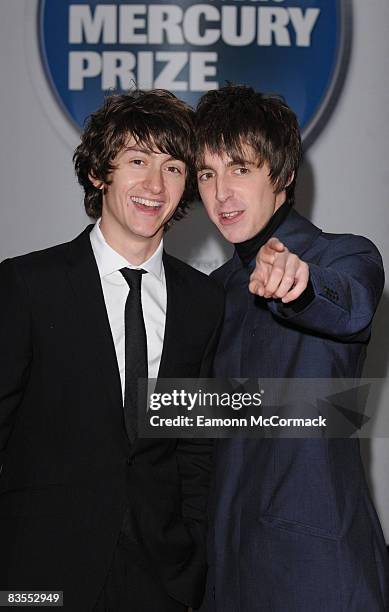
x: 141, y: 195
x: 238, y: 195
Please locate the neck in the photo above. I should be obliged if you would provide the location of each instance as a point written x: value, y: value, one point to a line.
x: 248, y: 249
x: 135, y: 249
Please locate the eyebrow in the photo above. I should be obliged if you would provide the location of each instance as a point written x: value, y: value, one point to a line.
x: 146, y: 151
x: 233, y: 162
x: 240, y: 160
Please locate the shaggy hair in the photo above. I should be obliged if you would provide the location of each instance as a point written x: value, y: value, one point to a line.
x: 229, y: 119
x: 156, y: 119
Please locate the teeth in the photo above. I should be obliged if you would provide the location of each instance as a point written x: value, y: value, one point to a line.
x: 230, y: 215
x: 150, y: 203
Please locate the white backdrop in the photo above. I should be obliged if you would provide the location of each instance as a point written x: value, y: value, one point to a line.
x: 343, y: 185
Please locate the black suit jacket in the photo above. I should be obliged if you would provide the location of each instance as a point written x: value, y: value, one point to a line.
x: 66, y: 459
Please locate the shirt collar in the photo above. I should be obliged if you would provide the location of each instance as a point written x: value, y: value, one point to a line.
x: 109, y: 261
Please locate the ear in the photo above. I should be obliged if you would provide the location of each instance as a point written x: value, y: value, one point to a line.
x: 98, y: 183
x: 290, y: 180
x: 281, y: 196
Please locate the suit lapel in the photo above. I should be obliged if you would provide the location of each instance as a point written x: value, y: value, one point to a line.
x: 90, y: 307
x: 94, y: 323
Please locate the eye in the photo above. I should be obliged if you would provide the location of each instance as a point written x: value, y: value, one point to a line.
x: 241, y: 171
x: 175, y: 169
x: 137, y: 162
x: 203, y: 177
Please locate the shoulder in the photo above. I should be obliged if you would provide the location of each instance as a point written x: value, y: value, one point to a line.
x: 349, y: 245
x: 328, y: 244
x: 36, y: 259
x: 49, y: 261
x: 32, y: 266
x: 199, y: 288
x: 26, y: 277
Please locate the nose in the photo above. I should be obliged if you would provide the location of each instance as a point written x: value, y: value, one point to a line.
x: 153, y: 181
x: 223, y: 190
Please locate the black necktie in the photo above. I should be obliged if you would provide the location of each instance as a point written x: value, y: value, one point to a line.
x: 135, y: 350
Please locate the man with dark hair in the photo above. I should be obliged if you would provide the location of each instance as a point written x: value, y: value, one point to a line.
x: 294, y: 528
x: 86, y: 506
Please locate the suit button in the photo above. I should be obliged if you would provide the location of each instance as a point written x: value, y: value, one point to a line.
x: 130, y: 461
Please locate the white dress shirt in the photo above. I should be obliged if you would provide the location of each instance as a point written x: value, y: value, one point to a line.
x: 116, y: 289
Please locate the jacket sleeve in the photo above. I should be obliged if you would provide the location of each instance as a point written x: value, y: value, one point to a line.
x: 345, y: 288
x: 15, y: 343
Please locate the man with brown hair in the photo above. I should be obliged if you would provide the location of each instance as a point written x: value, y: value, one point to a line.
x: 86, y: 506
x: 294, y: 527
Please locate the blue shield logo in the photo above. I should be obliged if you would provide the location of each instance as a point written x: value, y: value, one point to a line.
x: 297, y: 48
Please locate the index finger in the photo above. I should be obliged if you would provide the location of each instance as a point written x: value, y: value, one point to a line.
x: 275, y: 244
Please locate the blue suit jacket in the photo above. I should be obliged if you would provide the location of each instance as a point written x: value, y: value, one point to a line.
x: 294, y: 528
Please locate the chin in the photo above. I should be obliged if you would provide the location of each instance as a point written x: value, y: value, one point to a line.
x: 147, y: 229
x: 234, y: 236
